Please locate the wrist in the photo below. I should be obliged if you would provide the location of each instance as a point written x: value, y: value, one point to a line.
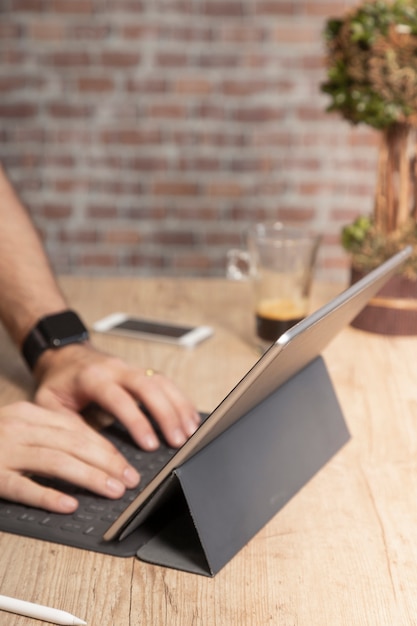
x: 53, y: 360
x: 52, y: 333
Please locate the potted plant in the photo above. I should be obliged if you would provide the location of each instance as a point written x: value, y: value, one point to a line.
x: 372, y: 79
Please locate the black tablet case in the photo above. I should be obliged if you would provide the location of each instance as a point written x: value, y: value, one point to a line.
x: 214, y: 503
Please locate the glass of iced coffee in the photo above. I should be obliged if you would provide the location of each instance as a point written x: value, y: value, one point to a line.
x: 279, y: 259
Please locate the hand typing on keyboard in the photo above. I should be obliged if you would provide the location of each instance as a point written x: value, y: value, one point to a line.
x: 52, y: 439
x: 71, y: 374
x: 75, y: 376
x: 34, y: 440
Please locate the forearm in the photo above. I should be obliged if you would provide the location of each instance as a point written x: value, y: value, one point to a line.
x: 76, y: 375
x: 27, y: 285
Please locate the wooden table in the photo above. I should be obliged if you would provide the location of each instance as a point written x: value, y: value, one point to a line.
x: 342, y: 552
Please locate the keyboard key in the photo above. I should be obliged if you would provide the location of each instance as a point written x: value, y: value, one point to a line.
x: 93, y: 531
x: 30, y: 517
x: 72, y: 527
x: 86, y: 526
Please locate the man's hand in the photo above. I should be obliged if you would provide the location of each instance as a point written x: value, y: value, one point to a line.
x: 34, y: 440
x: 73, y: 377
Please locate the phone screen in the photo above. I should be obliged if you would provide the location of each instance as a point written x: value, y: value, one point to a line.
x: 153, y: 328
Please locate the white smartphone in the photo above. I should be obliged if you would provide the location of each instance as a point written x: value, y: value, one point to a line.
x: 143, y: 328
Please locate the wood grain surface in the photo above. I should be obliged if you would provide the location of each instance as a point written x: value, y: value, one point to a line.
x: 342, y: 552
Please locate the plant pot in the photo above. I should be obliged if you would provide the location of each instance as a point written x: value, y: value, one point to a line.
x: 393, y: 310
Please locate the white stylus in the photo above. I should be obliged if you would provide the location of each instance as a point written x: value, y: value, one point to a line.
x: 38, y: 611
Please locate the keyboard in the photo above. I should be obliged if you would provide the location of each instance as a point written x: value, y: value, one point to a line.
x: 85, y: 527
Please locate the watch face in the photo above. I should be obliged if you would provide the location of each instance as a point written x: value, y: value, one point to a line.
x: 63, y: 328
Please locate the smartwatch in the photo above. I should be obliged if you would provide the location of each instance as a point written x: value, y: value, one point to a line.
x: 52, y: 332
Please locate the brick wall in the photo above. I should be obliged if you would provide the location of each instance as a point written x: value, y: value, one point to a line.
x: 143, y: 135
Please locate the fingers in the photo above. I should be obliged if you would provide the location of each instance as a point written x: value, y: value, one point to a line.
x: 77, y: 375
x: 64, y: 466
x: 119, y: 388
x: 21, y: 489
x: 84, y: 458
x: 36, y: 441
x: 174, y: 414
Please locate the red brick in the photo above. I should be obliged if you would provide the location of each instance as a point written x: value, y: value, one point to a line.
x: 120, y: 59
x: 233, y: 87
x: 297, y: 215
x: 95, y: 84
x: 29, y: 185
x: 166, y: 59
x: 208, y: 164
x: 139, y: 31
x: 258, y: 114
x: 18, y: 110
x: 69, y: 59
x: 303, y: 163
x: 102, y: 212
x: 27, y: 5
x: 71, y: 184
x: 131, y: 137
x: 175, y: 188
x: 54, y: 211
x: 88, y: 31
x: 249, y: 214
x: 116, y: 162
x: 213, y: 60
x: 265, y: 164
x: 203, y: 214
x: 343, y: 214
x: 120, y: 237
x: 67, y: 110
x: 340, y: 262
x: 286, y: 33
x: 9, y: 30
x: 232, y: 239
x: 223, y: 8
x: 274, y: 186
x: 210, y: 110
x: 59, y: 160
x: 173, y: 238
x: 148, y: 213
x: 282, y: 138
x: 97, y: 260
x: 369, y: 138
x: 167, y: 110
x: 145, y: 260
x: 145, y: 164
x: 325, y: 9
x: 50, y: 30
x: 310, y: 113
x: 130, y: 6
x: 333, y: 239
x: 15, y: 83
x: 193, y: 86
x: 13, y: 57
x: 76, y: 7
x: 185, y: 33
x: 116, y: 187
x: 191, y: 261
x: 23, y: 135
x: 276, y: 7
x: 241, y: 33
x: 225, y: 189
x: 147, y: 85
x: 78, y: 236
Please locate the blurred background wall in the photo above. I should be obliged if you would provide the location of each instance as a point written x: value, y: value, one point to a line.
x: 144, y: 135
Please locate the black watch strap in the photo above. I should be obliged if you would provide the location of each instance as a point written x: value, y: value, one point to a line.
x: 52, y: 332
